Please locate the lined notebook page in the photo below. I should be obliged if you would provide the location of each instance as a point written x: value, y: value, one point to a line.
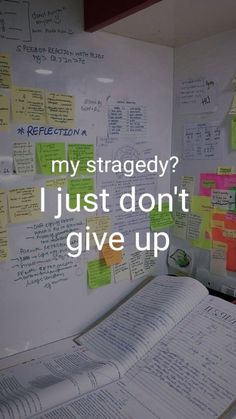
x: 138, y: 324
x: 191, y: 373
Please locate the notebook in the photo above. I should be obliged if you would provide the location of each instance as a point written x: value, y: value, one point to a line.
x: 168, y: 352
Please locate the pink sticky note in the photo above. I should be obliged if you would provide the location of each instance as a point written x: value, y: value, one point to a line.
x: 209, y: 181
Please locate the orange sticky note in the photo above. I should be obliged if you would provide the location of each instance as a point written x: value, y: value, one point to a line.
x: 111, y: 257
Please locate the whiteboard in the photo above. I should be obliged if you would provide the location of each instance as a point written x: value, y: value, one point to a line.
x: 210, y: 58
x: 49, y: 36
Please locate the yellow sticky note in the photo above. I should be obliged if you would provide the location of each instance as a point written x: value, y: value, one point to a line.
x: 24, y: 204
x: 24, y: 158
x: 233, y: 133
x: 56, y: 183
x: 161, y: 219
x: 99, y: 274
x: 201, y: 203
x: 60, y: 110
x: 111, y: 257
x: 187, y: 183
x: 28, y: 105
x: 3, y: 209
x: 225, y: 170
x: 82, y: 153
x: 81, y: 187
x: 99, y: 225
x: 202, y: 206
x: 4, y: 113
x: 46, y: 153
x: 5, y: 72
x: 4, y: 245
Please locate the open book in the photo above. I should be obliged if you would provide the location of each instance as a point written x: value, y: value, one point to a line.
x: 168, y: 352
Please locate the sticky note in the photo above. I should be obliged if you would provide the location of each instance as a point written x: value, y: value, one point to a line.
x: 82, y: 153
x: 136, y: 265
x: 111, y: 257
x: 223, y: 200
x: 181, y: 222
x: 99, y: 274
x: 4, y: 112
x: 225, y: 170
x: 3, y: 209
x: 46, y: 153
x: 5, y: 72
x: 218, y: 261
x: 28, y: 105
x: 200, y: 203
x: 82, y: 187
x: 121, y: 272
x: 24, y: 158
x: 99, y: 225
x: 194, y: 226
x: 4, y: 245
x: 233, y: 106
x: 24, y: 204
x: 162, y: 219
x: 209, y: 181
x: 56, y: 183
x: 60, y: 110
x: 233, y: 133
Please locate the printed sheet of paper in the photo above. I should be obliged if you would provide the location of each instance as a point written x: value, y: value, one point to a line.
x: 161, y: 219
x: 197, y: 95
x: 181, y: 222
x: 24, y: 158
x: 4, y: 245
x: 99, y: 225
x: 45, y: 153
x: 60, y: 110
x: 126, y: 118
x: 99, y: 274
x: 223, y: 200
x: 121, y: 272
x: 3, y: 209
x: 4, y: 113
x: 209, y: 181
x: 111, y: 257
x: 83, y: 153
x: 218, y: 261
x: 82, y: 187
x: 28, y: 105
x: 233, y: 133
x: 24, y: 204
x: 202, y: 142
x: 5, y: 72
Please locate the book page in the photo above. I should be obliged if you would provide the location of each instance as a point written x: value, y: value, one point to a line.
x: 191, y: 373
x: 138, y: 324
x: 36, y: 386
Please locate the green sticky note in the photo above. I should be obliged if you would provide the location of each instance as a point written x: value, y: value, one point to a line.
x: 99, y: 274
x: 233, y: 133
x: 82, y: 187
x: 46, y: 153
x: 162, y: 219
x: 82, y: 153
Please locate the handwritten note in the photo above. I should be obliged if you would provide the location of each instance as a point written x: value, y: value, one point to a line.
x: 223, y: 200
x: 121, y: 272
x: 187, y: 183
x: 3, y: 209
x: 6, y: 165
x: 24, y: 158
x: 99, y: 225
x: 5, y: 72
x: 99, y: 274
x: 161, y: 219
x: 45, y: 153
x: 56, y: 183
x: 209, y: 181
x: 218, y: 261
x: 233, y: 106
x: 233, y: 133
x: 83, y: 153
x: 4, y: 113
x: 24, y: 204
x: 181, y: 222
x: 28, y: 105
x: 141, y: 263
x: 79, y: 186
x: 197, y: 95
x: 111, y: 257
x: 225, y: 170
x: 193, y: 228
x: 60, y: 110
x: 202, y: 142
x: 4, y: 245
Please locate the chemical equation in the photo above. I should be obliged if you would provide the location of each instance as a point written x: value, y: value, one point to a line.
x: 59, y: 55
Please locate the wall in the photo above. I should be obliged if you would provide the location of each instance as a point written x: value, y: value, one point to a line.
x: 213, y: 59
x: 35, y: 308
